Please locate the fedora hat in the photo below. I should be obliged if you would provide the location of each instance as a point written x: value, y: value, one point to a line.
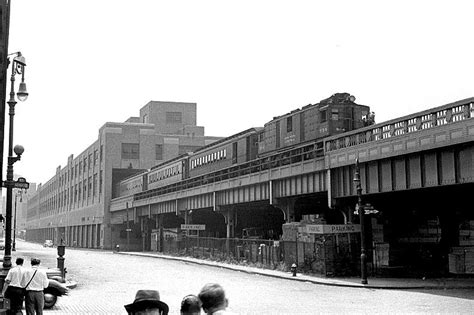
x: 147, y: 299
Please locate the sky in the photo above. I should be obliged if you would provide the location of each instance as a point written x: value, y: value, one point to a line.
x: 243, y: 62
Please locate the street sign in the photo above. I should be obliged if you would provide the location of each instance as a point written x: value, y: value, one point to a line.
x: 332, y: 228
x: 368, y: 209
x: 21, y: 185
x: 371, y: 211
x: 128, y: 230
x: 199, y: 227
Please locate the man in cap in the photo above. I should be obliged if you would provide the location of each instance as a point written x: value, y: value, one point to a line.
x: 147, y: 302
x: 213, y: 299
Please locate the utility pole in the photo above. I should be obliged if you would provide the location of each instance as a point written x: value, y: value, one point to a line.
x: 4, y: 35
x: 361, y: 210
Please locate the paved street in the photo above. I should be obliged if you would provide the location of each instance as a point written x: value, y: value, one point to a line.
x: 107, y: 281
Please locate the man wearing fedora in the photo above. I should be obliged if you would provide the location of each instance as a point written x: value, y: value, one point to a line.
x: 147, y: 302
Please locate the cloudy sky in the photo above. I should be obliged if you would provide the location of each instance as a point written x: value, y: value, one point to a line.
x: 242, y: 62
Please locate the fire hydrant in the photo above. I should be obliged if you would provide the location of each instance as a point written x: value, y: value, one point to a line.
x: 293, y: 269
x: 117, y: 248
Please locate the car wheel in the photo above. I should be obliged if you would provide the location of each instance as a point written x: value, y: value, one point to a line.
x: 49, y: 300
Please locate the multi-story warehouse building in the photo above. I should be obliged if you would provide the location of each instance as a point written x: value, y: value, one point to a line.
x: 73, y: 206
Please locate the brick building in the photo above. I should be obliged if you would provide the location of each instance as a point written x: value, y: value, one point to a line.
x: 73, y: 205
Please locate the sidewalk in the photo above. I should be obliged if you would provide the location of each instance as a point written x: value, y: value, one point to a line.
x: 373, y: 283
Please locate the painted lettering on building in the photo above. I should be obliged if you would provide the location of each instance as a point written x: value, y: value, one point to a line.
x: 332, y: 228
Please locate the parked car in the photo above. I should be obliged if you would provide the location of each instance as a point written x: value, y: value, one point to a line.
x: 55, y: 288
x: 48, y: 243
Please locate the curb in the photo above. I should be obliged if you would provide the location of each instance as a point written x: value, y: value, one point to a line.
x: 337, y: 283
x: 71, y: 284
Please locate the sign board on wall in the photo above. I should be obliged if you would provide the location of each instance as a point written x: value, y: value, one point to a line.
x: 199, y: 227
x: 332, y: 228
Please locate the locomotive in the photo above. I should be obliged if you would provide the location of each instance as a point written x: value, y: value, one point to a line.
x: 336, y: 114
x: 293, y: 131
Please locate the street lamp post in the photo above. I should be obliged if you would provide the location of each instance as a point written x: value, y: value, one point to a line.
x: 18, y: 67
x: 361, y: 210
x: 19, y: 193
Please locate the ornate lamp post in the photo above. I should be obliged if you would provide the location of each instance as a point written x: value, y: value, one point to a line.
x: 361, y: 210
x: 19, y: 193
x: 18, y: 67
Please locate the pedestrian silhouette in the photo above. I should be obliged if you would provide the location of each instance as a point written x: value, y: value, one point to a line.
x: 147, y: 302
x: 190, y: 305
x: 213, y: 299
x: 13, y: 289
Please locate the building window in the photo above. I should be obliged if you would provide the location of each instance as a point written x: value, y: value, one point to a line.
x: 90, y: 160
x: 100, y: 182
x: 101, y: 151
x: 90, y: 187
x: 130, y: 151
x: 95, y: 157
x: 94, y: 187
x: 159, y: 152
x: 85, y: 164
x: 174, y: 117
x: 289, y: 124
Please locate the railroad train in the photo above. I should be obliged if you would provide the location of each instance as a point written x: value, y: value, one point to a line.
x: 336, y: 114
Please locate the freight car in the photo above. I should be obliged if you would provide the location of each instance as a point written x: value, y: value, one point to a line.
x: 336, y: 114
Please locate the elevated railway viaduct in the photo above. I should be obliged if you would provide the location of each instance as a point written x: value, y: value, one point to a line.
x: 417, y: 171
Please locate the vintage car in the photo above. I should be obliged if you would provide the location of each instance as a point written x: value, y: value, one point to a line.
x: 56, y: 288
x: 48, y: 243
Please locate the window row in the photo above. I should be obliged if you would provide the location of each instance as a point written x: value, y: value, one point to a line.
x: 162, y: 174
x: 212, y: 157
x: 86, y: 163
x: 77, y: 192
